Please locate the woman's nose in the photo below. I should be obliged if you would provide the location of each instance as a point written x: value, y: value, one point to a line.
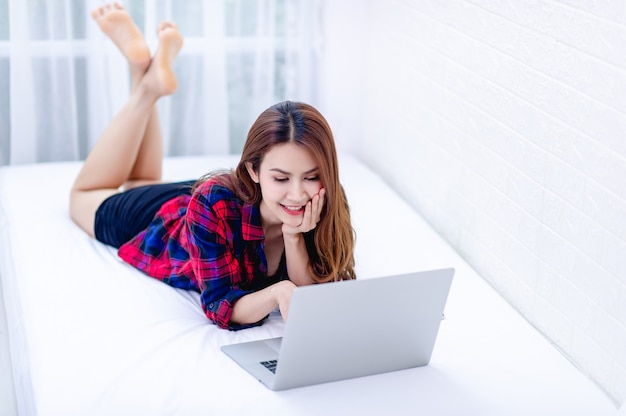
x: 296, y: 191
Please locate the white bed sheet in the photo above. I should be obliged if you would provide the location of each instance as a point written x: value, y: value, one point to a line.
x: 89, y: 335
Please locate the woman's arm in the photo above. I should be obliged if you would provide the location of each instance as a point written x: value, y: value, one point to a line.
x: 212, y: 218
x: 255, y: 306
x: 297, y: 260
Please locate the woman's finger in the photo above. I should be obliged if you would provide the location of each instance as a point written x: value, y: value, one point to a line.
x: 307, y: 218
x: 320, y: 205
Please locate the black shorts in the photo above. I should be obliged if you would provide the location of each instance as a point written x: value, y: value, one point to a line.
x: 122, y: 216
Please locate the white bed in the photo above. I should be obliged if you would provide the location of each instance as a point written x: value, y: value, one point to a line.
x: 89, y: 335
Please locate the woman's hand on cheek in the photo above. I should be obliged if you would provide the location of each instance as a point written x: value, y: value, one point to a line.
x: 312, y: 215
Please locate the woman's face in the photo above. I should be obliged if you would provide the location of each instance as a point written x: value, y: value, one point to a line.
x: 289, y: 178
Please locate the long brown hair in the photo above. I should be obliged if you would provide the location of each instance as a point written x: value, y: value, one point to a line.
x: 331, y: 243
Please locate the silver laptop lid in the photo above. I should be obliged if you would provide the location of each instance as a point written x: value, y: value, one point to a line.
x: 362, y: 327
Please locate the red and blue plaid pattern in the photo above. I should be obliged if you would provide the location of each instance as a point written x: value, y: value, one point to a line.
x: 211, y: 242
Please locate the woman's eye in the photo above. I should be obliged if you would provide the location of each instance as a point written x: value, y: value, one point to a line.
x: 313, y: 178
x: 280, y: 179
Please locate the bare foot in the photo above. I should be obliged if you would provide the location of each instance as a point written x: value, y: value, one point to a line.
x: 117, y: 24
x: 160, y: 74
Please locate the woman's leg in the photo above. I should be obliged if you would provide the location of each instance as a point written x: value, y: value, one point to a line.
x: 121, y: 154
x: 117, y: 24
x: 148, y: 164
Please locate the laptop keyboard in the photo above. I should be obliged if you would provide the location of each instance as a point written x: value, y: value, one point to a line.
x: 270, y: 365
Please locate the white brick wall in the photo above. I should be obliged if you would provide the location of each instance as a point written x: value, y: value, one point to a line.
x: 504, y: 124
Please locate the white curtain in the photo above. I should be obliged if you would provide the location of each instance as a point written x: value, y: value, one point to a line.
x: 61, y: 80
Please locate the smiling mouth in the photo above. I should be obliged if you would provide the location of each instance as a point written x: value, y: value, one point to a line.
x: 291, y: 210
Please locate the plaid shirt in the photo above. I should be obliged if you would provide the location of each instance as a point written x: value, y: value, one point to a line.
x: 211, y: 242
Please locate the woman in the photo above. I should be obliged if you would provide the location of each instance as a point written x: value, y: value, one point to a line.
x: 245, y: 239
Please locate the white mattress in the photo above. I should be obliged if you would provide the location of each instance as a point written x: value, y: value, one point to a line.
x: 89, y: 335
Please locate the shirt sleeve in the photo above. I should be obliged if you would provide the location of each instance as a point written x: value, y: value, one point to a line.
x: 217, y: 269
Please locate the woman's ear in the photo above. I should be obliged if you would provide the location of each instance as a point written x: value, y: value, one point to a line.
x: 253, y: 174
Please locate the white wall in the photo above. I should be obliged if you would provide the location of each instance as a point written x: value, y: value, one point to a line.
x: 504, y: 124
x: 342, y: 55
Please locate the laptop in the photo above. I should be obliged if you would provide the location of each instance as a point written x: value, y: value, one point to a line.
x: 350, y: 329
